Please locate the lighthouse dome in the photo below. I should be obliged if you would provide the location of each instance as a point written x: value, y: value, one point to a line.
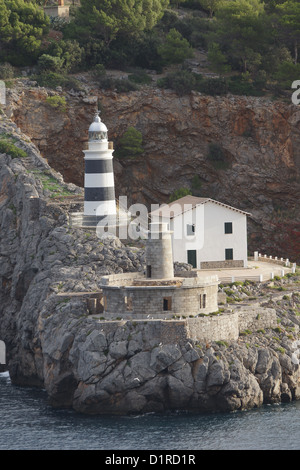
x: 97, y: 130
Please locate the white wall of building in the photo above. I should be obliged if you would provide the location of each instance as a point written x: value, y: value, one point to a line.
x: 209, y: 239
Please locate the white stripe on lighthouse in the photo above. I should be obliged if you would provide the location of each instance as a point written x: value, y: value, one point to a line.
x: 99, y: 208
x: 99, y: 180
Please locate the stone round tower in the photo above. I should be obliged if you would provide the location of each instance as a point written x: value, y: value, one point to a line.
x: 99, y: 187
x: 159, y: 258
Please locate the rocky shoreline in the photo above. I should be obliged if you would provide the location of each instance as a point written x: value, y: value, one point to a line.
x: 97, y: 366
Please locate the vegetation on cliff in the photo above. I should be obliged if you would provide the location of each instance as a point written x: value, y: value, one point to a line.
x: 252, y: 45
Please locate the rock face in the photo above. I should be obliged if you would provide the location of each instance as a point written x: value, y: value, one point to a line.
x: 97, y: 366
x: 259, y: 140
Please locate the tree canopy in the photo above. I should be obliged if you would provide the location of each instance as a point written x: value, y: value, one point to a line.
x: 252, y: 44
x: 105, y: 19
x: 22, y: 28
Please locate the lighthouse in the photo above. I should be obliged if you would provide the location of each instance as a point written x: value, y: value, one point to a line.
x: 99, y: 187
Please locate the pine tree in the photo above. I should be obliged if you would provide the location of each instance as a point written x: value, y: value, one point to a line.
x: 22, y: 28
x: 130, y: 144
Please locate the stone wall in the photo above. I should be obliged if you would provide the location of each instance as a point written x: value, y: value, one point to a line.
x: 160, y: 301
x: 224, y: 327
x: 256, y: 318
x: 120, y: 279
x: 222, y: 264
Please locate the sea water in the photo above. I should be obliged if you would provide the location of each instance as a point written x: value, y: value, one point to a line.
x: 27, y: 422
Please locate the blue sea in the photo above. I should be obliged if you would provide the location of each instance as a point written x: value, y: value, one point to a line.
x: 27, y: 422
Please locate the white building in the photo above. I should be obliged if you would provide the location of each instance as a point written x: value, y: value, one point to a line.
x: 60, y: 10
x: 206, y: 233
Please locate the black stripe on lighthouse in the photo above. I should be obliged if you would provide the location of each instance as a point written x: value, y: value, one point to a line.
x: 98, y: 166
x: 99, y: 194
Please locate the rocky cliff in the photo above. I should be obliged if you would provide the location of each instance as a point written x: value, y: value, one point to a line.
x: 259, y: 140
x: 95, y: 366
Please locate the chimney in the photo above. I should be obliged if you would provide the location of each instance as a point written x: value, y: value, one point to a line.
x: 61, y: 3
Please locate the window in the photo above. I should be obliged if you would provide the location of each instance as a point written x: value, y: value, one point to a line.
x: 190, y: 229
x: 228, y: 253
x: 128, y: 303
x: 149, y: 271
x: 228, y: 227
x: 167, y: 303
x: 202, y: 301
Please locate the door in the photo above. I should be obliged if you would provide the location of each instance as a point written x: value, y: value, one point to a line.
x: 192, y: 258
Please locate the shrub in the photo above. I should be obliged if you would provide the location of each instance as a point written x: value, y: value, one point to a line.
x: 175, y: 49
x: 217, y: 58
x: 196, y: 185
x: 241, y: 86
x: 213, y: 86
x: 120, y: 85
x: 50, y: 63
x: 183, y: 82
x: 178, y: 193
x: 130, y: 144
x: 217, y: 156
x: 50, y: 79
x: 286, y: 73
x: 140, y: 78
x: 58, y: 102
x: 10, y: 149
x: 6, y: 71
x: 99, y: 71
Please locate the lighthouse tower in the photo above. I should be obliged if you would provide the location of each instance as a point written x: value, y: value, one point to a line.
x: 159, y: 258
x: 99, y: 187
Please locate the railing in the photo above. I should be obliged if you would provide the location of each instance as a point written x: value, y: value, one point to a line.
x: 274, y: 260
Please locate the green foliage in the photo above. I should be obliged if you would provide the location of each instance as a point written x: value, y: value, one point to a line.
x: 53, y: 79
x: 99, y: 71
x: 289, y: 20
x: 178, y: 193
x: 182, y: 82
x: 67, y: 54
x: 210, y: 5
x: 213, y: 86
x: 50, y: 79
x: 217, y: 59
x: 130, y: 144
x: 175, y: 49
x: 222, y: 343
x: 240, y: 28
x: 287, y: 72
x: 57, y: 102
x: 48, y: 62
x: 196, y: 185
x: 105, y: 19
x: 22, y: 27
x: 259, y: 40
x: 10, y: 148
x: 119, y: 85
x: 6, y: 71
x: 217, y: 157
x: 238, y: 85
x: 140, y: 77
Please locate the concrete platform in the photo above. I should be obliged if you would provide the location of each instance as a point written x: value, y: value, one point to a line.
x: 258, y: 271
